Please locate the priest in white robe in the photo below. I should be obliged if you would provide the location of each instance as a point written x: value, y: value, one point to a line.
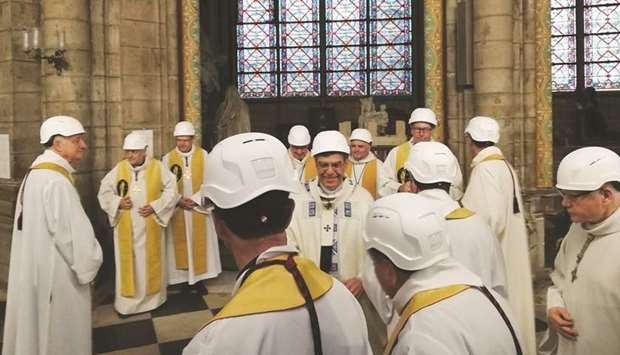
x: 364, y: 168
x: 192, y: 249
x: 583, y: 305
x: 54, y: 253
x: 139, y: 195
x: 495, y: 195
x: 301, y: 160
x: 441, y: 308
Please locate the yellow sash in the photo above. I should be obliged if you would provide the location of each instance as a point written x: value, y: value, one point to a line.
x: 55, y: 167
x: 309, y: 169
x: 153, y: 233
x: 273, y: 289
x: 199, y: 228
x: 369, y: 177
x: 494, y: 157
x: 402, y: 153
x: 460, y: 213
x: 420, y: 301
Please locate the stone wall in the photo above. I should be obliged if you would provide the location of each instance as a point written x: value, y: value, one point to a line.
x: 123, y: 76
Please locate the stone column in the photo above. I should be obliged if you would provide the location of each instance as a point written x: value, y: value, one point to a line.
x: 493, y: 65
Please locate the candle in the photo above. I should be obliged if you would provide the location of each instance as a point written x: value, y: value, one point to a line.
x: 61, y: 41
x: 26, y: 42
x: 35, y: 38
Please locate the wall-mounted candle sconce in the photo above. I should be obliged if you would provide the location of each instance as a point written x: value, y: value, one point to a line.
x: 56, y: 58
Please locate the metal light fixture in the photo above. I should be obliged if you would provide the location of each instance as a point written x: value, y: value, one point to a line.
x: 57, y: 56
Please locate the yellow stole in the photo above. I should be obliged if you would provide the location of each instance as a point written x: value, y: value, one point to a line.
x: 199, y: 228
x: 153, y: 233
x: 369, y: 177
x: 273, y: 289
x: 309, y: 169
x: 402, y: 153
x: 420, y: 301
x: 55, y: 167
x: 494, y: 157
x: 460, y: 213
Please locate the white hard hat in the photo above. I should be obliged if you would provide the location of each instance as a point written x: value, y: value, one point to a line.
x: 299, y: 136
x: 587, y: 169
x: 407, y: 229
x: 60, y: 125
x: 361, y: 134
x: 245, y: 166
x: 431, y: 162
x: 423, y: 115
x: 483, y: 129
x: 184, y: 128
x: 134, y: 141
x: 330, y: 141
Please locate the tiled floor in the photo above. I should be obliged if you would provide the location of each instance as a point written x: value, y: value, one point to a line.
x: 168, y: 329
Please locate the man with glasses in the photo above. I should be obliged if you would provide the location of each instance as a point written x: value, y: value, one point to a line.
x: 421, y: 125
x: 495, y: 195
x: 54, y: 253
x: 583, y: 305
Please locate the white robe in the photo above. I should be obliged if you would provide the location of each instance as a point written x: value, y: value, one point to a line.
x: 299, y: 167
x: 466, y: 323
x: 490, y: 195
x: 593, y: 299
x: 164, y: 208
x: 384, y: 186
x: 342, y: 323
x: 53, y: 260
x: 313, y: 227
x: 214, y: 266
x: 390, y: 171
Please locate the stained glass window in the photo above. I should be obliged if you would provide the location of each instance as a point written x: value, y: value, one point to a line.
x: 324, y: 48
x: 585, y: 44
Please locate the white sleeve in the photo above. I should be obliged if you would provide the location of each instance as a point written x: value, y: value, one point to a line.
x: 385, y: 184
x: 165, y: 205
x: 108, y: 198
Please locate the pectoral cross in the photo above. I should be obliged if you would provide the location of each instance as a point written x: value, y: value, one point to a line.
x: 327, y: 228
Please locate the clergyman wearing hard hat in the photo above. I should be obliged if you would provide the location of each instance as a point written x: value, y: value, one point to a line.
x: 192, y: 253
x: 54, y: 253
x: 583, y: 304
x: 138, y: 195
x: 282, y: 303
x: 440, y: 306
x: 495, y: 195
x: 421, y: 125
x: 299, y: 154
x: 363, y: 167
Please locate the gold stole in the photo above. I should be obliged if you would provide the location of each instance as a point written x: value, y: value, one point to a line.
x: 420, y: 301
x: 369, y: 178
x: 309, y: 169
x: 199, y: 228
x: 153, y: 233
x: 494, y: 157
x: 273, y: 289
x: 55, y: 167
x: 402, y: 153
x: 460, y: 213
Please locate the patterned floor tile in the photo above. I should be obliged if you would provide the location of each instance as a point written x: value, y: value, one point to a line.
x: 180, y: 326
x: 180, y: 303
x: 124, y: 336
x: 174, y: 347
x: 105, y: 315
x: 152, y: 349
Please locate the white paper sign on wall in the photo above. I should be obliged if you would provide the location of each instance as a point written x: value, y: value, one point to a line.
x: 5, y: 157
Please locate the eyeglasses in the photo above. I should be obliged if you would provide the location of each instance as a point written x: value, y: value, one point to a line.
x: 573, y: 194
x: 322, y: 165
x: 421, y: 129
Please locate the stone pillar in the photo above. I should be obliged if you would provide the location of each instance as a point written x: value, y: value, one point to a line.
x: 493, y: 65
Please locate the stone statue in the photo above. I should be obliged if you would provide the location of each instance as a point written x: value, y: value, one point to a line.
x: 370, y: 114
x: 232, y: 116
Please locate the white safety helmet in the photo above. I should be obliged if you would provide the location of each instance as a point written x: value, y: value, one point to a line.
x: 587, y: 169
x: 431, y: 162
x: 483, y: 129
x: 299, y: 136
x: 134, y: 141
x: 361, y: 134
x: 184, y: 128
x: 243, y: 167
x: 60, y: 125
x: 330, y: 141
x: 423, y: 114
x: 408, y: 230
